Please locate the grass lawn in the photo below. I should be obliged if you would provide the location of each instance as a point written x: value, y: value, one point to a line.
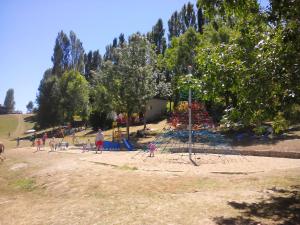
x: 8, y: 123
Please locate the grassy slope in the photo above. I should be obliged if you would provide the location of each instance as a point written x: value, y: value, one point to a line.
x: 8, y: 123
x: 16, y: 125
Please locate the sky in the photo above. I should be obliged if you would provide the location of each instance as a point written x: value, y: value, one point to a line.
x: 29, y: 28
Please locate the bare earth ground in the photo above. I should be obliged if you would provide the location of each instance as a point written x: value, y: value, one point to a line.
x: 71, y: 187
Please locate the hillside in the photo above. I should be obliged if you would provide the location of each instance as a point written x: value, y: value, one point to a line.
x: 13, y: 126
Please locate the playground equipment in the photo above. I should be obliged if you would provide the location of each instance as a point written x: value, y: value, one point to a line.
x: 118, y: 139
x: 199, y: 116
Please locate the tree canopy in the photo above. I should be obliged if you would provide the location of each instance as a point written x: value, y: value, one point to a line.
x: 245, y: 62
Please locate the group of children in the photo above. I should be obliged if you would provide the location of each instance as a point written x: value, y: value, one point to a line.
x: 99, y: 141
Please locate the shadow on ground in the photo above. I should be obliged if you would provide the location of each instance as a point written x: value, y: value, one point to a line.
x: 281, y: 206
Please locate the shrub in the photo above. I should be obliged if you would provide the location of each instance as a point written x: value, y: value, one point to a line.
x: 280, y: 124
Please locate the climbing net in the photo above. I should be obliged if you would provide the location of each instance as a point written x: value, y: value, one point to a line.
x: 205, y: 139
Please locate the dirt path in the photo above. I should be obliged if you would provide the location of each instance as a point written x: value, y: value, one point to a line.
x: 21, y: 127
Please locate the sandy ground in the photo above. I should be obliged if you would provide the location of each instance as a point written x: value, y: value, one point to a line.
x: 71, y: 187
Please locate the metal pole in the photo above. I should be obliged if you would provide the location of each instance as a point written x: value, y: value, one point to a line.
x: 190, y: 123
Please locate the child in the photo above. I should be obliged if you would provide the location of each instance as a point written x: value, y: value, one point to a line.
x: 99, y: 141
x: 152, y: 148
x: 18, y: 141
x: 87, y: 146
x: 38, y: 144
x: 52, y: 144
x: 44, y: 138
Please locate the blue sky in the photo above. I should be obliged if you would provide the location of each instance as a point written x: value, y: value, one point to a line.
x: 29, y: 28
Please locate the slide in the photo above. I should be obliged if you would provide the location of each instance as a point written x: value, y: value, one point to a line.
x: 127, y: 144
x: 108, y: 145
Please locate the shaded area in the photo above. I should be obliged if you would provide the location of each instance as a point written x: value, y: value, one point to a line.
x: 247, y: 137
x: 282, y: 206
x: 236, y: 173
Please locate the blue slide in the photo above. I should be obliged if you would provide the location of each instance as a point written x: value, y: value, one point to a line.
x: 108, y: 145
x: 127, y: 144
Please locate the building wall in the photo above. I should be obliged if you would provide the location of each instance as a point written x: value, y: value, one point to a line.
x: 155, y: 109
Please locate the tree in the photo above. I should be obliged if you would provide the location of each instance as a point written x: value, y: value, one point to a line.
x: 180, y: 55
x: 200, y: 18
x: 93, y: 62
x: 156, y: 37
x: 121, y: 40
x: 48, y: 101
x: 175, y: 26
x: 68, y: 54
x: 74, y: 96
x: 9, y: 101
x: 134, y: 82
x: 188, y: 16
x: 61, y: 54
x: 29, y: 106
x: 76, y: 54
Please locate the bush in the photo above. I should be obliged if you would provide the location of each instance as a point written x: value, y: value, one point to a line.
x: 260, y: 130
x: 280, y: 124
x: 292, y: 113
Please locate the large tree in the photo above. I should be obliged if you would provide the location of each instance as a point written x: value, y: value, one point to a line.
x: 68, y: 54
x: 127, y: 85
x: 48, y: 101
x: 9, y: 101
x: 157, y: 37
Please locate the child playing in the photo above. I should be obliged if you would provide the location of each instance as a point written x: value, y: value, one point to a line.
x: 38, y: 144
x: 87, y: 146
x: 99, y: 141
x: 52, y: 144
x: 152, y: 148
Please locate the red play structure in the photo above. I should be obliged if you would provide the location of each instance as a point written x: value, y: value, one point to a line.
x: 200, y: 117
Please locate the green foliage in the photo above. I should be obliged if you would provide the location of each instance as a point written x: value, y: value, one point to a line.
x: 245, y: 67
x: 280, y: 124
x: 29, y: 106
x: 260, y: 130
x: 9, y: 101
x: 74, y: 95
x: 48, y: 100
x: 156, y: 37
x: 292, y: 113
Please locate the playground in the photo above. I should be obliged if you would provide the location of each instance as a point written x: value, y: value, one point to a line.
x: 123, y: 185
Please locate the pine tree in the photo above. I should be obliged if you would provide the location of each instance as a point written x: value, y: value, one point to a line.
x: 29, y: 106
x: 77, y: 54
x: 9, y: 101
x: 200, y: 18
x: 122, y: 40
x: 61, y: 54
x: 174, y: 25
x: 156, y: 37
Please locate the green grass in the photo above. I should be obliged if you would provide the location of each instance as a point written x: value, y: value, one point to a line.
x: 28, y: 124
x: 126, y: 167
x: 25, y: 184
x: 8, y: 123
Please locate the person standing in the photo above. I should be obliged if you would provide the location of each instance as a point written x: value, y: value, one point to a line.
x: 38, y: 144
x: 33, y: 137
x: 52, y: 144
x: 18, y: 141
x: 44, y: 138
x: 99, y: 141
